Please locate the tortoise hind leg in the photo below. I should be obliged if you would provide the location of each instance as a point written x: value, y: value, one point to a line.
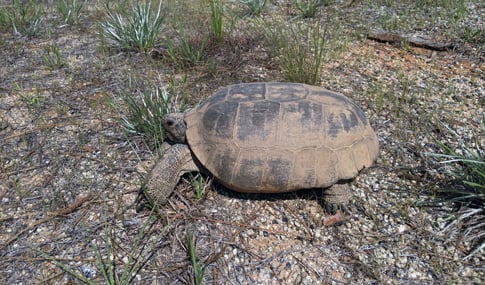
x: 337, y: 197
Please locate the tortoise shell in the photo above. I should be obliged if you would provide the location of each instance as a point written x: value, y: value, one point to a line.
x: 280, y: 137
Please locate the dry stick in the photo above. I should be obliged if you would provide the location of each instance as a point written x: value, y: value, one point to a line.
x: 38, y: 128
x: 66, y: 211
x: 15, y: 258
x: 395, y: 37
x: 23, y: 170
x: 24, y: 133
x: 308, y: 268
x: 50, y: 215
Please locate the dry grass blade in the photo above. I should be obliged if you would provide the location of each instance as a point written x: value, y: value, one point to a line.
x: 467, y: 226
x: 467, y: 167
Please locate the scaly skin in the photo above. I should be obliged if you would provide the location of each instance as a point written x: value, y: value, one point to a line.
x: 337, y: 197
x: 161, y: 181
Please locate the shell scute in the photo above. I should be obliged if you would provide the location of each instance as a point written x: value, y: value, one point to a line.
x: 279, y: 137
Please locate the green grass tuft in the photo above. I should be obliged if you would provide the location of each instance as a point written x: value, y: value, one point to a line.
x: 216, y: 19
x: 473, y: 35
x: 302, y: 47
x: 200, y: 185
x: 141, y: 112
x: 53, y: 59
x: 196, y: 267
x: 138, y: 254
x: 466, y: 166
x: 133, y: 29
x: 254, y: 7
x: 308, y: 8
x: 25, y: 17
x: 190, y: 48
x: 70, y: 10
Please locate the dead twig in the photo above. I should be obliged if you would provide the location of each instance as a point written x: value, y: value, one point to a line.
x: 396, y: 37
x: 50, y: 215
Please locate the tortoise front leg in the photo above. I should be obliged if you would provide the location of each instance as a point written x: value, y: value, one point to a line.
x: 163, y: 178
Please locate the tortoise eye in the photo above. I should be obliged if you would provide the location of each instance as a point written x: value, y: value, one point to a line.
x: 170, y: 123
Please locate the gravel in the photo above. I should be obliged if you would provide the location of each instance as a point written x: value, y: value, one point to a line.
x: 69, y: 175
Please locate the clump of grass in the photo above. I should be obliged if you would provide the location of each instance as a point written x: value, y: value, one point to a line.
x: 254, y: 7
x: 190, y: 48
x: 465, y: 166
x: 33, y: 97
x: 53, y: 59
x: 200, y: 184
x: 133, y: 29
x: 308, y: 8
x: 25, y: 17
x: 187, y: 43
x: 139, y: 253
x: 4, y: 20
x: 70, y: 10
x: 473, y: 35
x: 303, y: 47
x: 302, y: 60
x: 141, y: 112
x: 216, y: 19
x: 196, y: 267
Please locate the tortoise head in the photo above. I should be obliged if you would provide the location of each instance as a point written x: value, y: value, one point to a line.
x: 175, y: 127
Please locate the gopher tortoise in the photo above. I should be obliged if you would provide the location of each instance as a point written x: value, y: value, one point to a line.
x: 268, y: 138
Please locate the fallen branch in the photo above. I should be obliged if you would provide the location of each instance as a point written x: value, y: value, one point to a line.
x: 396, y: 37
x: 73, y: 207
x: 61, y: 212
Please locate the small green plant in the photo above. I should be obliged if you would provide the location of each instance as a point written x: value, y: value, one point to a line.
x: 107, y: 266
x: 137, y: 29
x: 254, y: 7
x: 17, y: 186
x: 308, y: 8
x: 379, y: 94
x: 25, y: 17
x: 141, y: 112
x: 189, y: 49
x: 302, y: 59
x: 200, y: 184
x: 139, y: 254
x: 473, y: 35
x: 457, y: 10
x: 4, y: 20
x: 217, y: 13
x: 70, y: 10
x: 466, y: 167
x: 177, y: 86
x: 53, y: 58
x: 33, y: 97
x: 303, y: 47
x: 196, y: 267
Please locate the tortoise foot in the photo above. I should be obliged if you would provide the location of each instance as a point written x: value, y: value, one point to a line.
x: 337, y: 198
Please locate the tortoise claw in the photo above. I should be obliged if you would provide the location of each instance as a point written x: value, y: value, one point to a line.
x: 141, y: 201
x: 337, y: 198
x: 334, y: 208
